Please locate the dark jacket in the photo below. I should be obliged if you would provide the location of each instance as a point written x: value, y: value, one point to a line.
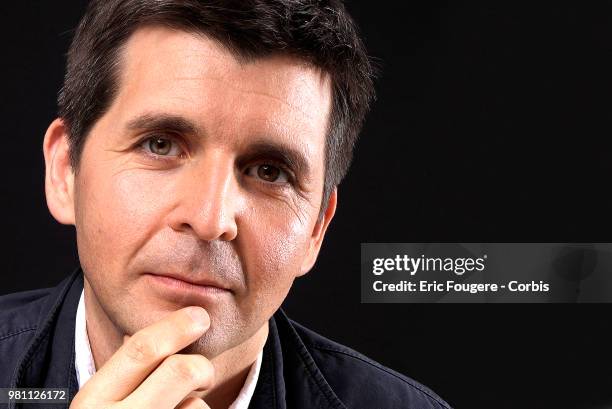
x: 300, y: 369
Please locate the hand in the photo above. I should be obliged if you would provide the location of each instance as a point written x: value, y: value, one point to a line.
x: 146, y: 371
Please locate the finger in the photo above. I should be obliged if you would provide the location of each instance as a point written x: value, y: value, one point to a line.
x: 176, y: 377
x: 144, y: 351
x: 193, y: 403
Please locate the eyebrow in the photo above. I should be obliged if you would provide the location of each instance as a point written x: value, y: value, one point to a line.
x: 259, y: 148
x: 162, y: 121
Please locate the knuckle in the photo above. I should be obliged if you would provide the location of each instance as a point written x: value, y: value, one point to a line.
x: 141, y: 349
x: 188, y: 369
x: 193, y: 403
x: 208, y: 372
x: 184, y: 369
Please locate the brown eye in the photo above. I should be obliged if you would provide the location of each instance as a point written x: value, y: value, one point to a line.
x: 161, y: 146
x: 268, y: 173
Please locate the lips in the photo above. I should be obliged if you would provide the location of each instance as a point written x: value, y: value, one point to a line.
x: 190, y: 282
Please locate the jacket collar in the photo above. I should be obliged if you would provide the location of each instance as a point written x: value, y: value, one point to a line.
x: 289, y: 377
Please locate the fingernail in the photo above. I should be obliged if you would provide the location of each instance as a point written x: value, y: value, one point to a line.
x: 199, y: 316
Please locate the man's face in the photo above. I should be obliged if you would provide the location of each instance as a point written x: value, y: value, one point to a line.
x: 203, y: 168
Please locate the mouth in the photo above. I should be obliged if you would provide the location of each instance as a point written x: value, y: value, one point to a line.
x: 186, y: 289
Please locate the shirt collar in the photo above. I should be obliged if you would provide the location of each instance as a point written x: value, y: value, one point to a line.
x: 85, y: 367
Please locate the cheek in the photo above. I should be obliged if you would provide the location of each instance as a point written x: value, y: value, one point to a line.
x: 117, y: 212
x: 274, y: 242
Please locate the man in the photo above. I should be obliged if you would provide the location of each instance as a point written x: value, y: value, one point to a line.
x: 197, y: 153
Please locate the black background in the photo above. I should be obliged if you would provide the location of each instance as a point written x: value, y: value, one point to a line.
x: 492, y: 125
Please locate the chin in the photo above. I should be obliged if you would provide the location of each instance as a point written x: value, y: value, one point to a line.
x: 208, y: 345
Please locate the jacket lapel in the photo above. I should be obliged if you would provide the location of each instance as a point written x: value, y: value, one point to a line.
x: 289, y: 377
x: 48, y: 361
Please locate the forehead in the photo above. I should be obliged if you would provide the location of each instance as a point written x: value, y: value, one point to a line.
x: 191, y: 75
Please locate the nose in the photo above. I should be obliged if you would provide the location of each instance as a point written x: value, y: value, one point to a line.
x: 207, y: 199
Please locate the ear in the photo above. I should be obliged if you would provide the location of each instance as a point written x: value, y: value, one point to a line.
x: 319, y: 232
x: 59, y: 175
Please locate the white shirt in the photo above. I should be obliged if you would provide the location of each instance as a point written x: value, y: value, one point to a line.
x: 85, y: 367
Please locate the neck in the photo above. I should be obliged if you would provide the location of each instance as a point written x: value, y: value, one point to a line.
x: 231, y: 366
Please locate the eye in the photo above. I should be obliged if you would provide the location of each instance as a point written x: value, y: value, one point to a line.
x: 268, y: 173
x: 161, y: 146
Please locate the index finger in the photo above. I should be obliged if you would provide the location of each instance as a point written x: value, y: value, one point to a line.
x: 144, y: 351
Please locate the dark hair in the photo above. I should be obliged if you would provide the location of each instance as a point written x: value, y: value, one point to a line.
x: 320, y: 32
